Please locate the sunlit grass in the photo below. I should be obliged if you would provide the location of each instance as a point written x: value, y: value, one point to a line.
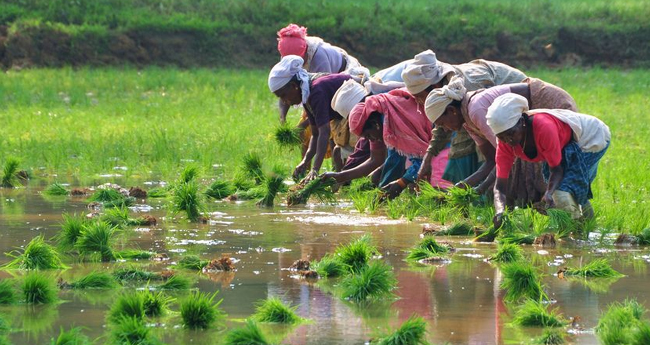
x: 411, y: 332
x: 274, y: 310
x: 374, y: 281
x: 200, y: 311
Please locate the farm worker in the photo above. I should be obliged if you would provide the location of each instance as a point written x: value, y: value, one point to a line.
x: 570, y: 144
x: 427, y: 73
x: 451, y: 108
x: 318, y: 56
x: 290, y: 82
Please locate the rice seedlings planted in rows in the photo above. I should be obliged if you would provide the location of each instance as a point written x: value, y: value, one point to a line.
x: 622, y: 323
x: 38, y: 288
x: 135, y: 274
x: 134, y: 254
x: 250, y: 334
x: 9, y: 177
x: 411, y: 332
x: 199, y: 311
x: 71, y: 337
x: 374, y: 281
x: 220, y: 189
x: 56, y: 189
x: 319, y: 188
x: 37, y: 255
x: 357, y: 253
x: 129, y: 304
x: 192, y: 262
x: 7, y: 292
x: 288, y: 136
x: 508, y: 252
x: 252, y: 167
x: 330, y: 266
x: 96, y: 239
x: 521, y: 281
x: 551, y: 336
x: 186, y: 198
x: 599, y: 268
x: 131, y: 330
x: 272, y: 186
x: 176, y: 282
x: 428, y: 247
x: 189, y: 174
x: 71, y: 229
x: 95, y: 280
x: 156, y: 303
x: 537, y: 314
x: 273, y: 310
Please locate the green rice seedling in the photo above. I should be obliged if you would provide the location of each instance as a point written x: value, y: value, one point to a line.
x: 95, y: 280
x: 97, y: 239
x: 219, y: 189
x: 135, y: 274
x: 428, y: 195
x: 71, y: 229
x: 428, y: 247
x: 134, y: 254
x: 39, y: 289
x: 37, y: 255
x: 257, y: 192
x: 71, y: 337
x: 621, y: 322
x: 551, y: 336
x: 252, y: 167
x: 199, y: 310
x: 272, y: 186
x: 599, y: 268
x: 4, y: 327
x: 517, y: 238
x: 131, y: 330
x: 56, y: 189
x: 127, y: 201
x: 412, y: 332
x: 104, y: 195
x: 367, y: 201
x: 520, y: 280
x: 7, y: 292
x: 488, y: 235
x: 644, y: 237
x: 330, y: 266
x: 374, y: 281
x: 320, y: 188
x: 273, y: 310
x: 357, y: 253
x: 9, y: 178
x: 250, y: 334
x: 361, y: 185
x: 156, y: 303
x: 536, y: 314
x: 457, y: 229
x: 158, y: 192
x: 116, y: 216
x: 186, y: 198
x: 396, y: 208
x: 462, y: 198
x: 561, y: 223
x: 189, y: 174
x: 176, y: 282
x: 192, y: 262
x: 508, y: 252
x: 288, y: 136
x: 130, y: 304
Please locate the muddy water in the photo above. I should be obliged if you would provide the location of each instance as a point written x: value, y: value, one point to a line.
x: 461, y: 300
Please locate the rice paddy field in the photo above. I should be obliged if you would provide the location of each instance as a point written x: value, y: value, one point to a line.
x: 146, y: 269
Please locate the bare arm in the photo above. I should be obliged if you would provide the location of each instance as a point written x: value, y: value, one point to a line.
x: 486, y: 168
x: 377, y: 158
x: 499, y: 201
x: 439, y: 140
x: 283, y: 109
x: 556, y: 175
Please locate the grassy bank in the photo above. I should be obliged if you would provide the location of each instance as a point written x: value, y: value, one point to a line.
x: 210, y: 33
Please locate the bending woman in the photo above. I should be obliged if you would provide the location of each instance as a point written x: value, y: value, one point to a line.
x: 570, y: 144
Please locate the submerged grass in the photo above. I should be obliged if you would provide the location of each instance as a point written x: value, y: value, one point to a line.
x: 274, y: 310
x: 56, y: 189
x: 9, y: 178
x: 599, y: 268
x: 537, y: 314
x: 7, y: 292
x: 508, y: 252
x: 250, y: 334
x: 73, y: 336
x: 521, y: 280
x: 95, y: 280
x: 411, y: 332
x: 199, y: 311
x: 37, y: 255
x: 96, y: 239
x: 374, y: 281
x: 39, y: 289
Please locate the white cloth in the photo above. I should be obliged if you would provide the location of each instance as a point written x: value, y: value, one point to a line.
x: 425, y: 71
x: 505, y: 112
x: 591, y: 134
x: 376, y: 86
x: 285, y: 70
x: 347, y: 96
x: 483, y: 74
x: 438, y: 99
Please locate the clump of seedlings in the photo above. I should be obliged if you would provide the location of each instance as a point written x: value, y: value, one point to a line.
x: 39, y: 289
x: 131, y: 330
x: 220, y: 189
x: 486, y: 235
x: 508, y: 252
x: 158, y: 192
x: 320, y: 188
x: 252, y: 167
x: 457, y: 229
x: 462, y: 198
x: 517, y: 238
x: 135, y: 274
x: 7, y: 292
x: 561, y: 223
x: 186, y: 198
x: 623, y: 323
x: 599, y: 268
x: 71, y: 337
x: 521, y: 281
x: 537, y: 314
x: 190, y: 173
x: 222, y: 264
x: 199, y: 311
x: 288, y: 136
x: 273, y: 310
x: 56, y: 189
x: 273, y: 184
x: 9, y: 173
x: 96, y: 240
x: 644, y: 237
x: 374, y: 281
x: 156, y: 303
x: 427, y: 248
x: 551, y: 336
x: 134, y: 254
x: 71, y: 229
x: 250, y: 334
x: 411, y: 332
x: 105, y: 195
x: 367, y: 201
x: 192, y: 262
x: 361, y: 185
x: 94, y: 280
x: 356, y: 254
x: 176, y: 282
x: 37, y: 255
x: 330, y: 266
x: 127, y: 305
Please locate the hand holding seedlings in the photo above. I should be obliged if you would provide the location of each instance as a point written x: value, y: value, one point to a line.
x: 332, y: 174
x: 393, y: 189
x: 548, y: 199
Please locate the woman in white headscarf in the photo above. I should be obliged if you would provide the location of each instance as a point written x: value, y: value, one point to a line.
x: 569, y: 144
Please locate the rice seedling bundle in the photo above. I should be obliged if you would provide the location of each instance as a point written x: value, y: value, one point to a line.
x: 367, y: 201
x: 320, y: 188
x: 411, y: 332
x: 644, y: 237
x: 135, y: 274
x: 9, y: 178
x: 252, y: 167
x: 428, y: 247
x: 288, y: 136
x: 520, y: 280
x: 7, y: 292
x: 537, y: 314
x: 130, y: 304
x: 273, y: 310
x: 356, y: 254
x: 517, y: 238
x: 176, y: 282
x: 134, y: 254
x: 37, y: 255
x: 220, y: 189
x: 97, y: 239
x: 189, y: 174
x: 199, y: 311
x: 116, y: 216
x: 95, y: 280
x: 462, y: 198
x: 131, y: 330
x: 158, y: 192
x: 551, y: 336
x: 457, y: 229
x: 508, y: 252
x: 623, y: 323
x: 488, y: 235
x: 273, y: 185
x: 38, y: 288
x: 374, y: 281
x: 156, y: 303
x: 250, y: 334
x: 56, y: 189
x: 330, y: 266
x: 71, y: 337
x: 192, y: 262
x: 599, y: 268
x: 561, y: 222
x: 428, y: 195
x: 361, y: 185
x: 71, y: 229
x: 106, y: 195
x: 186, y: 198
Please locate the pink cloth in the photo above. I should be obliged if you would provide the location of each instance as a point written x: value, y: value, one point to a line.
x: 291, y: 40
x: 438, y: 166
x: 406, y: 127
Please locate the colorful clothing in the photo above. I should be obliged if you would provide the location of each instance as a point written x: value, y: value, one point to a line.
x: 318, y: 105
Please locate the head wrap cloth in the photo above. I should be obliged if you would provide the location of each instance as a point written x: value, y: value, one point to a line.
x: 285, y: 70
x: 505, y: 112
x: 438, y: 99
x: 425, y: 71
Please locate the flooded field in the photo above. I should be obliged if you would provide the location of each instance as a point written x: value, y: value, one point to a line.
x: 460, y: 299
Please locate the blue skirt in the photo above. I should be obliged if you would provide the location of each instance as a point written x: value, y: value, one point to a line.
x: 460, y: 168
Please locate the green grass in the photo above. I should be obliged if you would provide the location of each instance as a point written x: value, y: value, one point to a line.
x: 250, y: 334
x: 56, y: 189
x: 623, y: 323
x: 131, y: 330
x: 156, y: 303
x: 73, y: 336
x: 189, y: 174
x: 508, y: 252
x: 9, y: 178
x: 330, y: 266
x: 7, y: 292
x: 129, y: 304
x: 411, y: 332
x: 374, y: 281
x: 428, y: 247
x: 537, y: 314
x: 356, y: 254
x: 521, y: 280
x: 71, y: 229
x: 220, y: 189
x: 199, y: 311
x: 37, y: 255
x: 186, y: 198
x: 192, y: 262
x: 96, y: 239
x: 176, y: 282
x: 95, y: 280
x: 38, y: 288
x: 599, y: 268
x: 551, y: 336
x: 274, y: 310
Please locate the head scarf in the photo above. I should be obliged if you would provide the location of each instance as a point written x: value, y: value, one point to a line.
x: 425, y: 71
x: 287, y: 68
x: 347, y: 96
x: 376, y: 86
x: 438, y: 100
x: 291, y: 40
x: 505, y: 112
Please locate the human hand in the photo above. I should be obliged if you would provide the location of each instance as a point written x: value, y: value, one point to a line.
x: 462, y: 185
x: 497, y: 220
x: 332, y: 174
x: 548, y: 200
x: 393, y: 189
x: 425, y: 173
x: 312, y: 175
x: 299, y: 171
